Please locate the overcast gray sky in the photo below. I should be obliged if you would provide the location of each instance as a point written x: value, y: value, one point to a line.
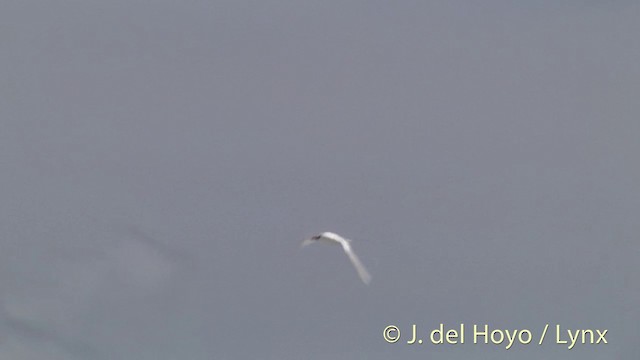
x: 161, y: 162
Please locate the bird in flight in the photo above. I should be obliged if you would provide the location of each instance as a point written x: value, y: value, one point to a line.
x: 332, y: 238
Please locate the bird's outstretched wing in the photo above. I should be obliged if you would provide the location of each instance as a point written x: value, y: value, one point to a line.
x: 362, y: 271
x: 306, y: 242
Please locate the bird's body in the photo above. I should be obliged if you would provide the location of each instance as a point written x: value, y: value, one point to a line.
x: 333, y: 238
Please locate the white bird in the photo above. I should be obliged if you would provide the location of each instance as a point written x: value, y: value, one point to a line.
x: 333, y: 238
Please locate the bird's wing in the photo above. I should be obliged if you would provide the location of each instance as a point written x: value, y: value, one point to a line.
x: 306, y: 242
x: 362, y: 271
